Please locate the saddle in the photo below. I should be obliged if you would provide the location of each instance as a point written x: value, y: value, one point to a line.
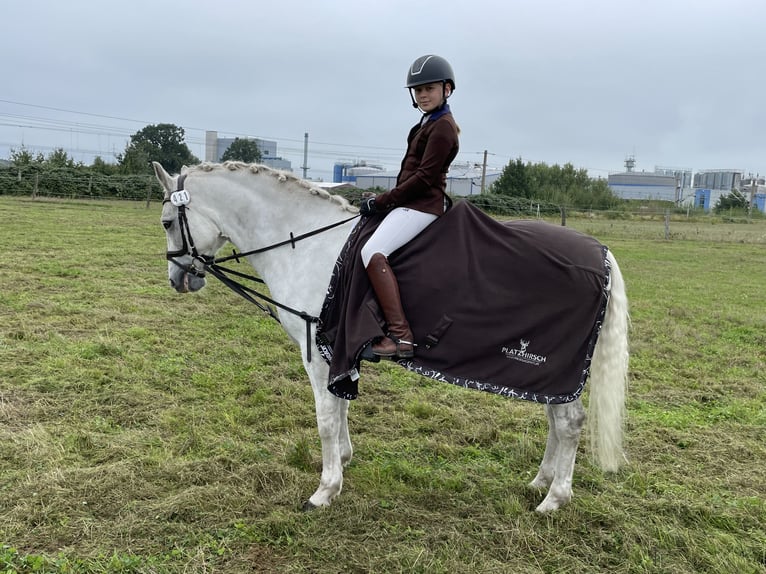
x: 511, y: 308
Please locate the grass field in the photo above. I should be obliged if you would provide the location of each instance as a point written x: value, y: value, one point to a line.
x: 146, y: 431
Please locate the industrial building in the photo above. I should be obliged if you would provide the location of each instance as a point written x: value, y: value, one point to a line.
x: 463, y: 179
x: 703, y: 191
x: 754, y: 190
x: 663, y: 184
x: 348, y: 171
x: 215, y: 147
x: 711, y: 185
x: 643, y: 185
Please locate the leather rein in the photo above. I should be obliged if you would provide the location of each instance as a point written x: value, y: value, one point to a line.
x: 202, y: 264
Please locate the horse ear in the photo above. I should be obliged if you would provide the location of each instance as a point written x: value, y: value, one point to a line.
x: 164, y: 178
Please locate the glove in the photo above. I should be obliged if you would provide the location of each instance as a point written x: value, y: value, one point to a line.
x: 368, y: 206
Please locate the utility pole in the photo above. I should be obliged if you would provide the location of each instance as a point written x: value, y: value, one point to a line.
x: 484, y: 172
x: 305, y: 166
x: 753, y: 188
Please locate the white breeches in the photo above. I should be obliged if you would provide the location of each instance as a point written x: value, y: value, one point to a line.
x: 398, y: 228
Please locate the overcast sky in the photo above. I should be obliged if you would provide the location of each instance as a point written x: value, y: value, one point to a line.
x: 677, y: 83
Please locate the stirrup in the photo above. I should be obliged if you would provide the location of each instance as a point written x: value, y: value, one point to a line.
x: 406, y: 354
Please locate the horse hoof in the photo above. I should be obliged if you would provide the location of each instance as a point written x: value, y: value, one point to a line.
x: 308, y: 506
x: 546, y: 507
x: 539, y: 483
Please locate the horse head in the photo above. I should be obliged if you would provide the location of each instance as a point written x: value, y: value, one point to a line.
x: 192, y: 238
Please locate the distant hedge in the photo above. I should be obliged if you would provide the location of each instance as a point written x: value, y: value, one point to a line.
x: 76, y: 182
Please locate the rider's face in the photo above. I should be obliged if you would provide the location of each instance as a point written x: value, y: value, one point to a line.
x: 430, y: 96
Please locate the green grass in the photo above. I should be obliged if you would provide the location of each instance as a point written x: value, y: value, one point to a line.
x: 146, y: 431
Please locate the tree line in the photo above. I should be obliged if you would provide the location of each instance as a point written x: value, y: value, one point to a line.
x: 131, y: 177
x: 548, y: 188
x: 522, y: 187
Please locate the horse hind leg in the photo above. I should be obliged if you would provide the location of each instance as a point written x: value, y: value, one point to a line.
x: 566, y: 422
x: 546, y: 471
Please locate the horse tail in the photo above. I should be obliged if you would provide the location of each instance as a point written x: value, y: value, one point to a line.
x: 609, y: 377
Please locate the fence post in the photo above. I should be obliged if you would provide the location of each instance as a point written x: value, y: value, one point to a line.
x: 34, y: 189
x: 563, y: 216
x: 667, y: 224
x: 148, y: 192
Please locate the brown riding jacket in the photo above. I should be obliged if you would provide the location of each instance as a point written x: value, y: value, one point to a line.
x: 422, y: 179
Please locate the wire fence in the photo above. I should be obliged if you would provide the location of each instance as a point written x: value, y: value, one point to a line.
x: 71, y: 184
x: 647, y: 220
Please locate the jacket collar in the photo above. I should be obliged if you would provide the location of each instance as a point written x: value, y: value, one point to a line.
x: 442, y: 111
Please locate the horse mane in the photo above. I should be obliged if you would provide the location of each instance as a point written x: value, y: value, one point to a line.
x: 284, y: 177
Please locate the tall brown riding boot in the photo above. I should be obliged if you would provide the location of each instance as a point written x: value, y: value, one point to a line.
x: 399, y: 342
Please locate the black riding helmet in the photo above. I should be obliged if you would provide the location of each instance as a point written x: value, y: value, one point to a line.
x: 427, y: 69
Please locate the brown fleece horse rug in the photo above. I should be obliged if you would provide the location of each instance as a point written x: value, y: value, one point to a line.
x: 512, y: 308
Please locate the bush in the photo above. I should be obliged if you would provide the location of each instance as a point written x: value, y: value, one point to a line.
x: 74, y: 182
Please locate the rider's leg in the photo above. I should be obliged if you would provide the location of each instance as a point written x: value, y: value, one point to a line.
x: 398, y: 228
x: 399, y: 341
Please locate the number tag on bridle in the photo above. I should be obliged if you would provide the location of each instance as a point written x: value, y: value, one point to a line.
x: 180, y: 197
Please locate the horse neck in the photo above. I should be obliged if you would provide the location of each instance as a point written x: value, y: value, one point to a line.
x: 254, y: 215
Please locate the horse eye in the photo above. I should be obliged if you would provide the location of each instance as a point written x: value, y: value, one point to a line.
x: 166, y: 224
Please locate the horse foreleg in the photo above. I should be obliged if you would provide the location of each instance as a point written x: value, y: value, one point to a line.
x: 332, y: 423
x: 328, y: 414
x: 344, y: 438
x: 566, y: 421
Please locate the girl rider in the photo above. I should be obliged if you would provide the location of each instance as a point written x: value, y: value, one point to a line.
x: 419, y: 197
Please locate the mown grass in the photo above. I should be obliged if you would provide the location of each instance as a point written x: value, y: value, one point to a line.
x: 146, y: 431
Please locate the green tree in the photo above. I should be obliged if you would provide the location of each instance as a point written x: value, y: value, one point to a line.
x: 100, y: 166
x: 243, y: 149
x: 733, y: 200
x: 59, y: 158
x: 24, y: 157
x: 554, y: 184
x: 514, y: 180
x: 161, y: 142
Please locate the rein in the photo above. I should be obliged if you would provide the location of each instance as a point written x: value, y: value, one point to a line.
x: 202, y: 264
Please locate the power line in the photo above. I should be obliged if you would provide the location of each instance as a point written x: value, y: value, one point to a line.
x: 326, y: 150
x: 185, y: 127
x: 72, y: 111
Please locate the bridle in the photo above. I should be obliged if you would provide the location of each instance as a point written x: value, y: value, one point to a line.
x: 202, y: 264
x: 180, y: 199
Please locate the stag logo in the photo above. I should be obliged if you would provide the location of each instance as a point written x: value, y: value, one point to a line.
x: 521, y: 354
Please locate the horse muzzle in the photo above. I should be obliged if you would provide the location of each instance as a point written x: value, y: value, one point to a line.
x: 184, y: 276
x: 188, y: 283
